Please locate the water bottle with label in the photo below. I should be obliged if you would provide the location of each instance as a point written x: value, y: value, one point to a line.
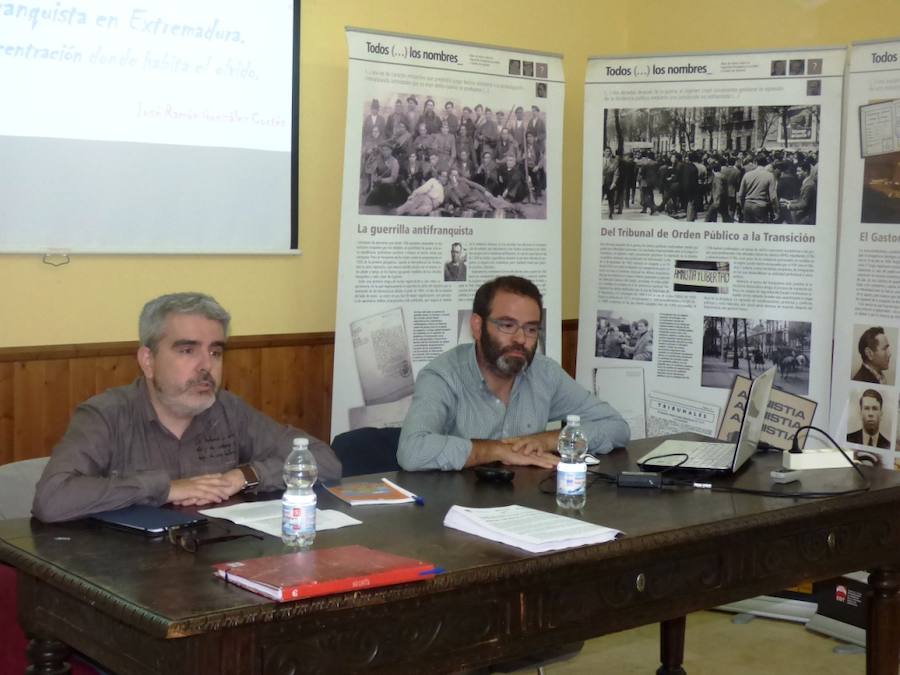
x: 571, y: 472
x: 298, y: 505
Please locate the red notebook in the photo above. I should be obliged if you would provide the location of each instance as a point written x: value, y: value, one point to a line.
x: 307, y: 574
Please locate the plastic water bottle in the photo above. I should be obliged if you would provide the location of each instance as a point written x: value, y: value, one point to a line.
x: 571, y: 472
x: 298, y: 505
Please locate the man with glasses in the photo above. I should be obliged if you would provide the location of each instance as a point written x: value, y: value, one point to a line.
x: 171, y: 436
x: 492, y: 400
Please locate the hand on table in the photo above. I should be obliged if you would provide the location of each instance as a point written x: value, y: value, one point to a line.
x: 210, y: 488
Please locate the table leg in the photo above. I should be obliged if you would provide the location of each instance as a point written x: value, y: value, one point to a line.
x: 671, y: 646
x: 883, y: 634
x: 48, y: 657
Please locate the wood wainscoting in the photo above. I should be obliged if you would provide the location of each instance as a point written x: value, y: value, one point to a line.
x: 288, y: 377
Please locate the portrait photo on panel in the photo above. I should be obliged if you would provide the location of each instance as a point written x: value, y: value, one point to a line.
x: 624, y: 337
x: 873, y: 358
x: 870, y: 417
x: 443, y: 157
x: 756, y: 164
x: 897, y: 443
x: 455, y: 269
x: 739, y: 346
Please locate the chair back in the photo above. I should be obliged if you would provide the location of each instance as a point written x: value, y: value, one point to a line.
x: 367, y: 450
x: 17, y: 482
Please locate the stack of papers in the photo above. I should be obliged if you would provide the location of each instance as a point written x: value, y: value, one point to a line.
x: 528, y: 529
x: 266, y: 516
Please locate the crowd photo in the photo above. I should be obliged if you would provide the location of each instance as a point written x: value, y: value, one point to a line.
x: 619, y: 338
x: 752, y: 164
x: 739, y: 346
x: 425, y: 156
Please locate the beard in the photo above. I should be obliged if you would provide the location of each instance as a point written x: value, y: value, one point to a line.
x: 181, y: 401
x: 505, y: 360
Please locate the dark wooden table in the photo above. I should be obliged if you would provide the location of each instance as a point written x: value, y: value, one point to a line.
x: 143, y: 606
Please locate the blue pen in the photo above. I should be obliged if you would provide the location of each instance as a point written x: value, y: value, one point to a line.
x: 416, y: 498
x: 436, y: 570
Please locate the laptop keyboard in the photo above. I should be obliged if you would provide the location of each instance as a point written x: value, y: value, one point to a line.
x: 701, y: 454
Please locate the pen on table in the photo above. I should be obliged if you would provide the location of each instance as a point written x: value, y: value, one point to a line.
x: 416, y: 498
x: 436, y: 570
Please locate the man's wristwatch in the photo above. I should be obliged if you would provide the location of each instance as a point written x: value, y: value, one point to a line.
x: 251, y: 480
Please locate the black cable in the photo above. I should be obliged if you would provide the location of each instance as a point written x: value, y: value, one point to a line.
x: 597, y: 476
x: 672, y: 467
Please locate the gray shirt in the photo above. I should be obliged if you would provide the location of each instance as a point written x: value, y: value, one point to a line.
x: 116, y: 452
x: 452, y: 405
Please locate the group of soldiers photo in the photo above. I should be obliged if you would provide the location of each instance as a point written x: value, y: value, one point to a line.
x: 422, y: 159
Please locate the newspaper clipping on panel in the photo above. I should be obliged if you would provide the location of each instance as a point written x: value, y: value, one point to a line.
x: 708, y: 235
x: 452, y: 176
x: 864, y: 401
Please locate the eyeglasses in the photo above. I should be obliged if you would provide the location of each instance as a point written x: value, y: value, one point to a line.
x: 511, y: 327
x: 187, y: 539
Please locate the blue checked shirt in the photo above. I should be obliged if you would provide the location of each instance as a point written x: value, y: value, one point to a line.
x: 452, y: 405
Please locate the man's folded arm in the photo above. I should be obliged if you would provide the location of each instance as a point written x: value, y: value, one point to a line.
x: 76, y: 480
x: 604, y: 427
x: 423, y: 441
x: 270, y: 444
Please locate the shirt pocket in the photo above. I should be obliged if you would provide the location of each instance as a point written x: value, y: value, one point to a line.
x: 215, y: 454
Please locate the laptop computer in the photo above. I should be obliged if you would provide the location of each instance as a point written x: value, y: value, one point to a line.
x: 717, y: 457
x: 151, y: 521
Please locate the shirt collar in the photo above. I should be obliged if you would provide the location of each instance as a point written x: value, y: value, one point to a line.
x: 877, y: 375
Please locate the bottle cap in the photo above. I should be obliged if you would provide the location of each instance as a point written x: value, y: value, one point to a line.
x: 301, y: 443
x: 573, y: 419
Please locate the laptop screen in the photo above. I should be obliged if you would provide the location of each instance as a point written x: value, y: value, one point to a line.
x: 754, y: 416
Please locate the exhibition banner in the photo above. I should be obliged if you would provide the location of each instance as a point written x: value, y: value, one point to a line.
x: 864, y: 401
x: 709, y: 229
x: 452, y: 176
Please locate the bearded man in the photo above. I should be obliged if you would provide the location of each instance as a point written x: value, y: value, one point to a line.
x: 492, y: 400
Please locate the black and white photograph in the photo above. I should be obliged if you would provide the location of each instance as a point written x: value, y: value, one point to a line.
x: 620, y: 337
x: 528, y: 68
x: 441, y: 157
x: 897, y: 444
x: 873, y: 361
x: 870, y: 418
x: 455, y: 269
x: 797, y: 67
x: 881, y: 189
x: 752, y: 164
x: 541, y: 70
x: 515, y: 66
x: 779, y: 68
x: 540, y: 90
x: 701, y: 276
x: 738, y: 346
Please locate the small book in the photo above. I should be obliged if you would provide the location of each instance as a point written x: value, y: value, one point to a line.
x: 362, y: 492
x: 149, y: 520
x: 308, y: 574
x: 529, y: 529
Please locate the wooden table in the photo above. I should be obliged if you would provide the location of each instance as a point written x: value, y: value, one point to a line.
x: 143, y: 606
